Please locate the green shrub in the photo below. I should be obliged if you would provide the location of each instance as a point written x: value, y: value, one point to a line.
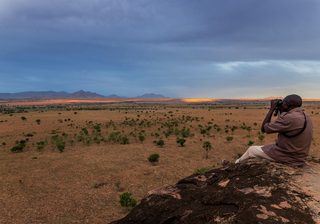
x: 229, y: 138
x: 261, y: 136
x: 98, y: 138
x: 127, y: 201
x: 154, y: 158
x: 202, y: 170
x: 117, y: 137
x: 160, y: 143
x: 207, y: 146
x: 124, y: 140
x: 185, y: 132
x: 141, y: 138
x: 84, y: 136
x: 20, y: 145
x: 181, y: 141
x: 29, y: 135
x: 97, y: 128
x: 114, y: 136
x: 60, y: 146
x: 41, y: 145
x: 58, y: 141
x: 250, y: 142
x: 85, y: 131
x: 233, y: 128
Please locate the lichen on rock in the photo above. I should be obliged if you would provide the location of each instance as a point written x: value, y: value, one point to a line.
x: 257, y: 191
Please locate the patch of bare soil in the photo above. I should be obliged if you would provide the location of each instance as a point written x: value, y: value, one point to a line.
x: 252, y: 192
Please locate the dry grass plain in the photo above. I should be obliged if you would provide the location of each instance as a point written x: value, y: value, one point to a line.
x: 82, y: 184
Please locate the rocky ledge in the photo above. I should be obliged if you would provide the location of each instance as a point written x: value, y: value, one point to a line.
x: 252, y: 192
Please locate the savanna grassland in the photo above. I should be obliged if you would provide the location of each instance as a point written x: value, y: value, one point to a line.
x: 71, y: 164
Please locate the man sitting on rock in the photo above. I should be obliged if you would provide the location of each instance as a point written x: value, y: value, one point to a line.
x: 294, y: 130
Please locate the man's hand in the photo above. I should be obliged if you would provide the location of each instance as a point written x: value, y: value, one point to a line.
x: 267, y: 119
x: 273, y: 104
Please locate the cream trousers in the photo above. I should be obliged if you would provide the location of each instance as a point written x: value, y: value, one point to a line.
x: 254, y: 151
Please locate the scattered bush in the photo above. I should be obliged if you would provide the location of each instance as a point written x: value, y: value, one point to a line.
x: 250, y: 142
x: 159, y: 143
x: 23, y: 118
x: 117, y: 137
x: 154, y: 158
x: 141, y: 138
x: 185, y: 132
x: 97, y: 128
x: 38, y: 121
x: 261, y: 136
x: 85, y: 131
x: 124, y: 140
x: 229, y: 138
x: 41, y: 145
x: 20, y: 145
x: 202, y: 170
x: 207, y: 147
x: 58, y: 141
x: 181, y: 141
x: 29, y: 135
x: 205, y: 130
x: 127, y: 201
x: 84, y: 136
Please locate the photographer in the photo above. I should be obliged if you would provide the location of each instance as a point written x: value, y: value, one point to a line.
x: 294, y: 130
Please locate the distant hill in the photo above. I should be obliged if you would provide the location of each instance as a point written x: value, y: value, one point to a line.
x: 50, y: 95
x: 81, y: 94
x: 85, y: 94
x: 151, y: 95
x: 114, y: 96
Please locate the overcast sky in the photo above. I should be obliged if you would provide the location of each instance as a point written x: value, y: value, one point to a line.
x: 178, y: 48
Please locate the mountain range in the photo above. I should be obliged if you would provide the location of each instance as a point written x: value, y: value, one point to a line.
x: 81, y: 94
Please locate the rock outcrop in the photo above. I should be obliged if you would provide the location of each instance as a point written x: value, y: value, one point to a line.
x: 252, y: 192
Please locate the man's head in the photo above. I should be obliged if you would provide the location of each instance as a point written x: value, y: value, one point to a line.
x: 290, y: 102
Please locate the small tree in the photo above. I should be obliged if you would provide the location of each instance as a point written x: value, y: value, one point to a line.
x: 59, y: 142
x: 160, y: 143
x: 19, y: 146
x: 124, y: 140
x: 250, y: 142
x: 60, y: 145
x: 229, y: 138
x: 41, y: 145
x: 207, y: 147
x: 127, y: 201
x: 154, y: 158
x: 141, y: 138
x: 261, y: 136
x: 202, y: 170
x: 181, y: 141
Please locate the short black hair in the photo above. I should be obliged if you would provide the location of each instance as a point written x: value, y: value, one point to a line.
x: 293, y: 100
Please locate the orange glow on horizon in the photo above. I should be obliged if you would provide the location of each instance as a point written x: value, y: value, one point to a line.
x: 198, y: 100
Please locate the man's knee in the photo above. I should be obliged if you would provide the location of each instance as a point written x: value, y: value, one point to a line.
x: 254, y: 151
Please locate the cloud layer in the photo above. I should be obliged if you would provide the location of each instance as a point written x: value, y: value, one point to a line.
x: 205, y: 48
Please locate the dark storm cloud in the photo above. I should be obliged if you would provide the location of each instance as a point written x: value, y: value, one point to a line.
x: 129, y: 47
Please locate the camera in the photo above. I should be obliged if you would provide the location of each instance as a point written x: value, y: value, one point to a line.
x: 278, y: 107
